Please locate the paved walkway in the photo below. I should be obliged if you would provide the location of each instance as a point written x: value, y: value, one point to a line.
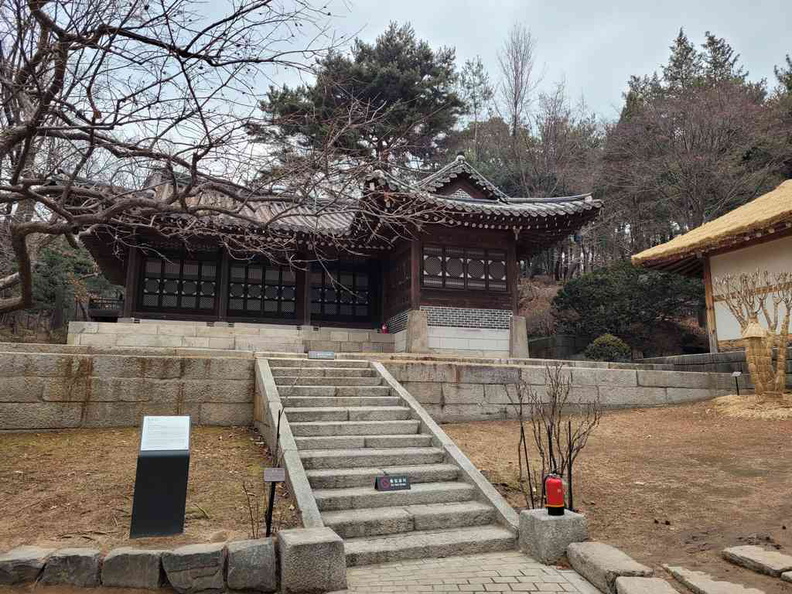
x: 509, y: 571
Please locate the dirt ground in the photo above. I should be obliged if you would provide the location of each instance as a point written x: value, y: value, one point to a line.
x: 75, y: 487
x: 673, y: 485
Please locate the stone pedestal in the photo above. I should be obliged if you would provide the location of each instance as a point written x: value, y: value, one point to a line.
x: 518, y: 338
x: 311, y: 560
x: 417, y: 332
x: 546, y: 538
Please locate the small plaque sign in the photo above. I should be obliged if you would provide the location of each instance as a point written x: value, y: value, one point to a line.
x: 321, y: 354
x: 392, y: 483
x: 274, y: 475
x: 165, y: 434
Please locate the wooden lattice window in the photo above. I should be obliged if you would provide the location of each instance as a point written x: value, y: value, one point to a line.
x: 340, y: 292
x: 260, y: 289
x: 179, y: 284
x: 464, y: 268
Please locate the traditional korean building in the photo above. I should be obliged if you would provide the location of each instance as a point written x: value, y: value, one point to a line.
x: 457, y: 265
x: 755, y: 236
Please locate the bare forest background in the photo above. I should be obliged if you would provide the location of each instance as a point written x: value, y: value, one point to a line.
x: 694, y: 139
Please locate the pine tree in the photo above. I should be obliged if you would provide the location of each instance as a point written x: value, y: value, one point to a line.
x: 784, y: 75
x: 400, y: 93
x: 476, y: 90
x: 720, y: 61
x: 685, y: 67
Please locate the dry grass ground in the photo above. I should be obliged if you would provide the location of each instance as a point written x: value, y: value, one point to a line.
x: 673, y: 485
x: 74, y: 487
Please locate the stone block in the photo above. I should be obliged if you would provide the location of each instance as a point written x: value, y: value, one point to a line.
x: 673, y: 379
x: 546, y: 538
x: 108, y: 366
x: 83, y: 327
x: 703, y: 583
x: 177, y: 330
x: 252, y: 565
x: 425, y: 392
x: 533, y: 375
x: 43, y: 365
x: 463, y: 393
x: 417, y: 337
x: 226, y: 414
x: 22, y: 389
x: 488, y: 374
x: 643, y: 585
x: 461, y: 413
x: 22, y: 565
x: 196, y: 568
x: 225, y: 390
x: 197, y: 342
x: 758, y: 559
x: 97, y: 340
x: 217, y: 368
x: 677, y: 395
x: 73, y: 567
x: 40, y: 415
x: 221, y: 342
x: 518, y: 337
x: 601, y: 564
x: 500, y: 394
x: 148, y: 340
x: 132, y: 568
x: 123, y: 414
x: 134, y: 390
x: 299, y: 550
x: 604, y: 377
x: 618, y: 397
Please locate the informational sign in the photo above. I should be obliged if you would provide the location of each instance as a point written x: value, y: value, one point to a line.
x: 392, y: 483
x: 165, y: 434
x: 163, y: 467
x: 321, y: 354
x: 274, y: 475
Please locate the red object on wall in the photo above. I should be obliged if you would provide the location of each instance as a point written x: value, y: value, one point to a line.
x: 384, y: 329
x: 554, y: 495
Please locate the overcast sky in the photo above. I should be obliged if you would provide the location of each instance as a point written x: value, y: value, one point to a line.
x: 594, y: 46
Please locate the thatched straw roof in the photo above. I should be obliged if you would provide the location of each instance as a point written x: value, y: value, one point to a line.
x: 769, y: 213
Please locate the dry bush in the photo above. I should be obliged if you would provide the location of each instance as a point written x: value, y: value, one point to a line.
x: 536, y: 304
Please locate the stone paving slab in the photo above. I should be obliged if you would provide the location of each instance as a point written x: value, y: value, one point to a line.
x: 703, y: 583
x: 758, y: 559
x: 509, y: 571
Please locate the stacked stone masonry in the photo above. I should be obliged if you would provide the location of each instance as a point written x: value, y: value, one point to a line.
x: 464, y: 317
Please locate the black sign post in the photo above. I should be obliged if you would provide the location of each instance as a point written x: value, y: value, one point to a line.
x: 161, y: 480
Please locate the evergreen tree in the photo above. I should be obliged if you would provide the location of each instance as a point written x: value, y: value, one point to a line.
x: 476, y: 90
x: 720, y: 61
x: 784, y: 75
x: 399, y: 91
x: 685, y: 65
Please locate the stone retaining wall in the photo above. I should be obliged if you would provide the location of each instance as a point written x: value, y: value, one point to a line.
x: 715, y: 362
x: 40, y: 390
x: 459, y: 392
x: 239, y: 336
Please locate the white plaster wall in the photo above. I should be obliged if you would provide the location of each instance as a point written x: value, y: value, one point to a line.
x: 472, y: 341
x: 773, y: 256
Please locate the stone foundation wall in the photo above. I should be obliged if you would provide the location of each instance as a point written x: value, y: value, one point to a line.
x: 458, y: 392
x: 40, y: 390
x: 240, y: 337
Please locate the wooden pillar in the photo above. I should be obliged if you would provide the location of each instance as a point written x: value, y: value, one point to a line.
x: 223, y: 287
x: 709, y: 299
x: 513, y: 275
x: 132, y: 282
x: 302, y: 282
x: 415, y: 274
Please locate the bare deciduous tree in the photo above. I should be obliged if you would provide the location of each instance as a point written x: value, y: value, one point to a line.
x: 124, y: 115
x: 557, y: 428
x: 770, y: 295
x: 518, y: 82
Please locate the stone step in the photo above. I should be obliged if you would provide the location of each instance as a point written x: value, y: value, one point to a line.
x: 336, y: 401
x: 329, y: 391
x: 323, y: 372
x: 344, y: 478
x: 363, y: 457
x: 303, y: 362
x: 758, y: 559
x: 700, y: 582
x: 331, y: 428
x: 428, y: 544
x: 356, y: 413
x: 362, y: 497
x: 299, y: 380
x: 363, y: 441
x: 377, y: 521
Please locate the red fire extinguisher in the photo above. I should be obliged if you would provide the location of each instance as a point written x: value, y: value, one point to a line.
x: 554, y: 495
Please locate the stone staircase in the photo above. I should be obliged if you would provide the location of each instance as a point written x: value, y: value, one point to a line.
x: 350, y: 426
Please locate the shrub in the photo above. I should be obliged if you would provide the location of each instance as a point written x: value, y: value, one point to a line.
x: 608, y: 348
